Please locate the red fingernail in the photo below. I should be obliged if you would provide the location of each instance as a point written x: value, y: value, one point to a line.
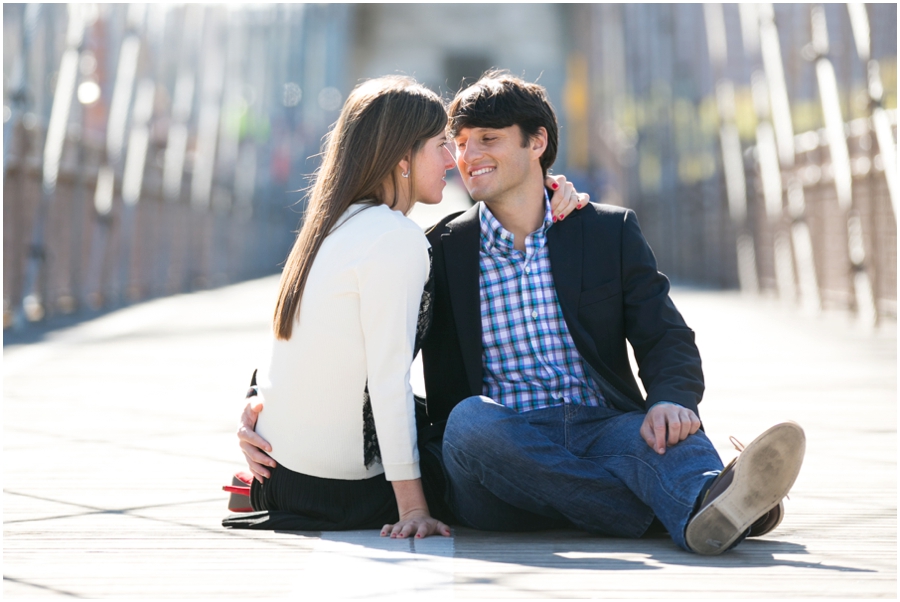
x: 578, y: 206
x: 554, y: 185
x: 554, y: 219
x: 562, y: 217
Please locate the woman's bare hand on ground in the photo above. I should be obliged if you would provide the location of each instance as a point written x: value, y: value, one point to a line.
x: 565, y: 198
x: 254, y: 446
x: 415, y: 519
x: 419, y: 524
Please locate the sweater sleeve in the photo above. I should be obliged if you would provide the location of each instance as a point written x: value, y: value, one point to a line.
x: 391, y: 278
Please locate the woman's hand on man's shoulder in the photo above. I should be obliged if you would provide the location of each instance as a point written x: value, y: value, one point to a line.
x: 565, y: 198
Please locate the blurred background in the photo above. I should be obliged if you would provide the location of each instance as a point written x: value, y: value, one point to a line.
x: 157, y: 149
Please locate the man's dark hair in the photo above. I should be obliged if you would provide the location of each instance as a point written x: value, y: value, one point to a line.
x: 500, y: 100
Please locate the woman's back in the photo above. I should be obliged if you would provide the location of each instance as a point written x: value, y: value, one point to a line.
x: 355, y: 328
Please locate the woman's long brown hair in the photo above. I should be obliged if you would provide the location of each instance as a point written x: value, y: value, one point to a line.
x: 383, y: 121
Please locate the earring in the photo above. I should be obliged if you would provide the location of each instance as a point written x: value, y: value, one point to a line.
x: 405, y: 174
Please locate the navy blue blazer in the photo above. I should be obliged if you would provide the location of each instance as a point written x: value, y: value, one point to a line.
x: 609, y: 289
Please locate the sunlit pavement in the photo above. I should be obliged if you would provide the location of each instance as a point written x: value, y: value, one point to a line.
x: 119, y: 433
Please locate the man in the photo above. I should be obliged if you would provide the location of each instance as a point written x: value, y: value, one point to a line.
x: 526, y: 369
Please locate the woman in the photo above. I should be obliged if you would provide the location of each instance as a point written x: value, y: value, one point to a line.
x: 339, y: 408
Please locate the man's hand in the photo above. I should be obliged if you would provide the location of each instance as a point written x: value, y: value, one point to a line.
x: 253, y: 445
x: 565, y: 198
x: 679, y: 420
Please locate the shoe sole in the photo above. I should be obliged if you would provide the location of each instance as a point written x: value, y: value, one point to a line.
x: 778, y: 509
x: 763, y: 475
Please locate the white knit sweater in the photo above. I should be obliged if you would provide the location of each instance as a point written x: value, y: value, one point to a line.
x: 356, y: 323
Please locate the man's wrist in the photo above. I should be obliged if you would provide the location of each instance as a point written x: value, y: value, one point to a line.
x: 664, y: 402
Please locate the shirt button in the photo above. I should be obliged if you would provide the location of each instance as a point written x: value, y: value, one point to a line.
x: 534, y: 315
x: 527, y: 270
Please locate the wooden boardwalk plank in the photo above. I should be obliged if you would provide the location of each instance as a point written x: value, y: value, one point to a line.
x: 118, y: 434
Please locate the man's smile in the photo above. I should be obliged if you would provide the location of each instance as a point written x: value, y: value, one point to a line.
x: 481, y: 171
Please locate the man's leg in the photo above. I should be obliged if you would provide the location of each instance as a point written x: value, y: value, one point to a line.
x: 672, y: 483
x: 511, y: 471
x: 668, y: 483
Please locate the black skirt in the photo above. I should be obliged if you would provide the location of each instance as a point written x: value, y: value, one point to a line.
x: 293, y: 501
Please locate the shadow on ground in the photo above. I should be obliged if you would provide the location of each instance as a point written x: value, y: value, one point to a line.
x: 575, y: 550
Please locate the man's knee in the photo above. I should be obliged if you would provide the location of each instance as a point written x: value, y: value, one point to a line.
x: 470, y: 423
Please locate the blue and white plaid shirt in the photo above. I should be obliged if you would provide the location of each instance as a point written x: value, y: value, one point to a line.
x: 530, y: 360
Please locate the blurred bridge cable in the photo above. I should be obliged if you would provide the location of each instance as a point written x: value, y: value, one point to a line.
x: 104, y: 275
x: 730, y: 144
x: 140, y: 95
x: 160, y: 178
x: 803, y: 170
x: 31, y: 304
x: 794, y: 260
x: 862, y: 34
x: 18, y: 89
x: 183, y: 162
x: 863, y: 292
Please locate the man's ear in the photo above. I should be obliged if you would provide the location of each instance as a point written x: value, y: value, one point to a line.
x: 538, y: 142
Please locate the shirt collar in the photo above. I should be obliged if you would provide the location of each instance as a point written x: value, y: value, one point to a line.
x: 495, y: 237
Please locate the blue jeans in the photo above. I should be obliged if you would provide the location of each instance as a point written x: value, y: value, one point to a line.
x: 569, y: 465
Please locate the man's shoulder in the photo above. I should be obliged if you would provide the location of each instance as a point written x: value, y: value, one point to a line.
x: 600, y: 216
x: 448, y: 222
x: 441, y: 226
x: 609, y: 211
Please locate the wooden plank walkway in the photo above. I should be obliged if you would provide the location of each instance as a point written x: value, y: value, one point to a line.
x: 119, y: 432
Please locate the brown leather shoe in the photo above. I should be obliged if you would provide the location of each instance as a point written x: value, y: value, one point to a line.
x: 768, y: 521
x: 748, y: 491
x: 771, y: 519
x: 765, y: 523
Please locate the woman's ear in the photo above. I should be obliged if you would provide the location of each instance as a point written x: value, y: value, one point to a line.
x: 404, y: 166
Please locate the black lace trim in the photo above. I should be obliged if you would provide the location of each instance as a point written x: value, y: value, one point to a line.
x: 371, y: 449
x: 425, y: 308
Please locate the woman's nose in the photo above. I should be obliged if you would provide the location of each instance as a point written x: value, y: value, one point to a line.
x: 450, y: 160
